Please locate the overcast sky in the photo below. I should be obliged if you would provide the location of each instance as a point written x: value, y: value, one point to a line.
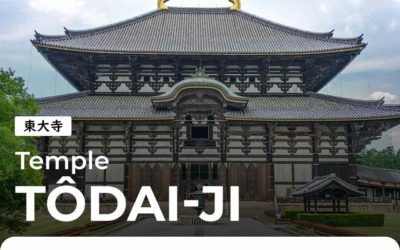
x: 375, y: 73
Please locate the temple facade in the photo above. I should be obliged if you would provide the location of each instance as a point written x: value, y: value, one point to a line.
x: 209, y: 96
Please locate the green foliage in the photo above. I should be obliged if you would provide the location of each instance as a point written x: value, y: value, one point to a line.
x: 291, y: 215
x: 14, y: 101
x: 345, y: 220
x: 387, y: 158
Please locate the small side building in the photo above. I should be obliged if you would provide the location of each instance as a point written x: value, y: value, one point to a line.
x: 379, y: 184
x: 325, y: 189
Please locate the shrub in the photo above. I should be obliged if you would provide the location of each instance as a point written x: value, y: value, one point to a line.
x: 303, y: 223
x: 335, y: 231
x: 291, y: 215
x: 345, y: 220
x: 327, y: 229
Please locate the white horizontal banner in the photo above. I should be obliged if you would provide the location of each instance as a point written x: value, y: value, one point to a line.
x: 193, y: 243
x: 43, y: 126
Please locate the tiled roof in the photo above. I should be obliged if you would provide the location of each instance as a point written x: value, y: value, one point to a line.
x: 310, y: 107
x: 85, y: 106
x: 378, y: 174
x: 198, y: 31
x: 313, y: 106
x: 322, y: 183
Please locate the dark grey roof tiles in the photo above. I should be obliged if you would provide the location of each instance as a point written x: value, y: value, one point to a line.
x: 310, y: 107
x: 396, y: 107
x: 322, y: 183
x: 81, y: 106
x: 198, y: 31
x: 387, y: 176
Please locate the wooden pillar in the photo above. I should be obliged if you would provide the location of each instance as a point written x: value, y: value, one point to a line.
x: 188, y: 178
x: 270, y: 161
x: 80, y: 133
x: 316, y: 137
x: 43, y: 145
x: 227, y: 183
x: 347, y: 205
x: 222, y: 178
x: 223, y: 141
x: 175, y: 143
x: 334, y: 205
x: 315, y: 204
x: 128, y: 151
x: 351, y: 150
x: 210, y: 173
x: 178, y: 170
x: 383, y: 190
x: 339, y: 205
x: 305, y: 203
x: 373, y: 194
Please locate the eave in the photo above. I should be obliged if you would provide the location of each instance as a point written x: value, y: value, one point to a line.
x: 358, y: 49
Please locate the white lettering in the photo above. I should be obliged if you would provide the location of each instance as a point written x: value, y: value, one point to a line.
x: 154, y: 208
x: 52, y: 203
x: 22, y: 154
x: 218, y: 204
x: 95, y: 203
x: 30, y: 199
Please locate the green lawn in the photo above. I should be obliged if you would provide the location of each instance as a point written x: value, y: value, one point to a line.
x: 390, y: 229
x: 45, y: 225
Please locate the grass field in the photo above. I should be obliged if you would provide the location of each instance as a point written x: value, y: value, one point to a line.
x: 390, y: 229
x: 45, y: 224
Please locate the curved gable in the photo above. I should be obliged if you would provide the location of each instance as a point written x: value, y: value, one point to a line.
x: 200, y: 85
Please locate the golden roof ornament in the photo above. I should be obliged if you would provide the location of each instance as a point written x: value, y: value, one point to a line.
x: 161, y: 4
x: 236, y: 4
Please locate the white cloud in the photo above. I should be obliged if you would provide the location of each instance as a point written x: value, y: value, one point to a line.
x: 393, y: 25
x: 68, y: 8
x: 389, y: 98
x: 323, y: 7
x: 357, y: 4
x: 69, y: 11
x: 390, y: 138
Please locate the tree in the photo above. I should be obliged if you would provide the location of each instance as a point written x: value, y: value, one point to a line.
x: 15, y: 101
x: 387, y: 158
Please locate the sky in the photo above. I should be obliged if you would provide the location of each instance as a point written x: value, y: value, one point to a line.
x: 373, y: 75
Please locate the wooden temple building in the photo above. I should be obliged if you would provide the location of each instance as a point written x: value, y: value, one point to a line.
x: 379, y: 184
x: 327, y: 188
x: 210, y: 96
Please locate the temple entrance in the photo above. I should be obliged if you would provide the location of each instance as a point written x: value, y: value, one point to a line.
x: 194, y: 174
x: 255, y: 180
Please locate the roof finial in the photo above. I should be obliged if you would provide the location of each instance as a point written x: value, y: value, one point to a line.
x: 161, y: 4
x: 236, y: 4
